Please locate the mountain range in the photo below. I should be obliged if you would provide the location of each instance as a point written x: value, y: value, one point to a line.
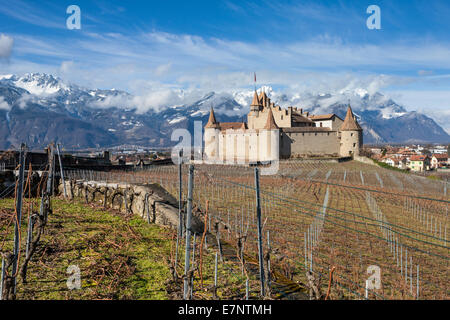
x: 40, y: 108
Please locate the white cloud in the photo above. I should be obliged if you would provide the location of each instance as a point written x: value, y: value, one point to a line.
x: 155, y: 99
x: 4, y: 105
x: 424, y: 72
x: 433, y: 103
x: 6, y: 44
x: 66, y: 66
x: 163, y: 69
x: 118, y: 60
x: 34, y: 15
x: 442, y: 117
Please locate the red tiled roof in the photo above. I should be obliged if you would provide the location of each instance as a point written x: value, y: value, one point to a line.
x: 270, y: 123
x: 441, y: 157
x: 323, y: 116
x: 255, y: 101
x: 298, y: 118
x: 212, y: 123
x: 307, y: 129
x: 223, y: 126
x: 418, y: 158
x: 350, y: 123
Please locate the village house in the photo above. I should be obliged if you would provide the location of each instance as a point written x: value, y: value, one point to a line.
x: 397, y: 162
x: 419, y: 163
x: 390, y: 161
x: 438, y: 160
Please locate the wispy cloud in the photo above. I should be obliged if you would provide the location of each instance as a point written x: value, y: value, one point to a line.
x: 32, y: 14
x: 4, y: 105
x: 6, y: 45
x: 130, y: 62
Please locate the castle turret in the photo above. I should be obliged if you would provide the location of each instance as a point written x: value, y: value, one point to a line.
x: 351, y: 135
x: 263, y: 99
x: 212, y: 132
x: 270, y: 123
x: 269, y: 146
x: 255, y: 106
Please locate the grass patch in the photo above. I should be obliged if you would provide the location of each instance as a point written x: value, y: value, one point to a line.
x: 119, y: 256
x: 434, y: 177
x: 386, y: 166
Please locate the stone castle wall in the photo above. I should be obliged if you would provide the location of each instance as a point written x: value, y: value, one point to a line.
x: 296, y: 144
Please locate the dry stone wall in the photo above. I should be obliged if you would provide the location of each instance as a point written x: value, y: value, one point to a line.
x: 149, y: 201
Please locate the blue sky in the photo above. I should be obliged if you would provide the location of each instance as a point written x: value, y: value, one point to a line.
x: 158, y: 46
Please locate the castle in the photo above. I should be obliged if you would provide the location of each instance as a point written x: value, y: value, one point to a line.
x: 272, y: 133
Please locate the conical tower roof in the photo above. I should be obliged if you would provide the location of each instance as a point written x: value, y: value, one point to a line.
x: 255, y: 101
x: 263, y: 99
x: 212, y: 123
x: 350, y: 123
x: 270, y: 123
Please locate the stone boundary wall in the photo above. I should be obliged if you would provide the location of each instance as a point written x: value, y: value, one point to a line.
x: 149, y: 201
x: 365, y: 160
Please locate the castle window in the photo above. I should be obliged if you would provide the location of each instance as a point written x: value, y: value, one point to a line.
x: 351, y: 134
x: 303, y: 134
x: 321, y: 124
x: 315, y: 134
x: 354, y: 145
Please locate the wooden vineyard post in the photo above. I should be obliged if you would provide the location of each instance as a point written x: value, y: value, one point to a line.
x: 20, y: 182
x: 246, y: 289
x: 180, y: 195
x: 258, y: 217
x: 188, y: 232
x: 62, y: 171
x: 2, y: 278
x: 215, y: 277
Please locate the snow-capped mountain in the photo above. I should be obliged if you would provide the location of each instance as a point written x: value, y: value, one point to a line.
x: 40, y: 108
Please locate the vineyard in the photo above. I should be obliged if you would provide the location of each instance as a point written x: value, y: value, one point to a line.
x: 313, y: 230
x: 325, y: 223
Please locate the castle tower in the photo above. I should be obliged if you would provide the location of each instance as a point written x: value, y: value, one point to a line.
x: 211, y: 136
x: 254, y: 113
x: 269, y: 140
x: 264, y: 99
x: 270, y: 123
x: 351, y: 135
x: 255, y: 106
